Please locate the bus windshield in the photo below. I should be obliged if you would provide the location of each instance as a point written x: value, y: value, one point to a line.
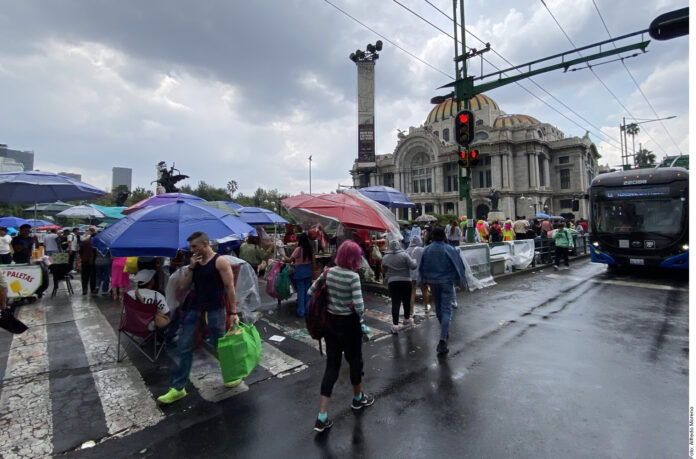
x: 650, y: 210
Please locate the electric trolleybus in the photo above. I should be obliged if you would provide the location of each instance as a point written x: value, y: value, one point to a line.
x: 640, y: 217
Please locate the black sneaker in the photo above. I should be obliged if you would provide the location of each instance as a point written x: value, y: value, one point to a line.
x: 320, y: 426
x: 365, y: 400
x: 442, y: 347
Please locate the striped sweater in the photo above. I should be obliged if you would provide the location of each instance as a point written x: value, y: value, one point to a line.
x: 343, y: 286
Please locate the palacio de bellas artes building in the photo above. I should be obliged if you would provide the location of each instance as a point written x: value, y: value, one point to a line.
x: 532, y: 164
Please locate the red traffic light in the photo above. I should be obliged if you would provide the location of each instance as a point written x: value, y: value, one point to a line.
x: 463, y: 118
x: 474, y: 154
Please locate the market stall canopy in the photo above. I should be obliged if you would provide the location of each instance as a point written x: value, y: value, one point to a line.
x: 48, y: 227
x: 110, y: 212
x: 36, y: 186
x: 348, y: 209
x: 386, y: 195
x: 161, y: 199
x: 260, y: 216
x: 82, y: 211
x: 57, y: 206
x: 162, y: 230
x: 233, y: 205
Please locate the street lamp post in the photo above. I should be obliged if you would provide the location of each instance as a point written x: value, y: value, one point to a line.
x: 310, y: 174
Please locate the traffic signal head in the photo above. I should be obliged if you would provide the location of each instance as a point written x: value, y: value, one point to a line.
x: 474, y: 158
x: 464, y: 127
x: 463, y: 159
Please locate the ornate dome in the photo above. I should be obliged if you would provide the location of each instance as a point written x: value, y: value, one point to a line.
x: 514, y: 120
x: 449, y: 108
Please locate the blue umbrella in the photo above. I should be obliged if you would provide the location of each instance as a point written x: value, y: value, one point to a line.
x: 543, y: 215
x: 13, y: 221
x: 37, y: 186
x: 162, y: 230
x: 388, y: 196
x: 37, y: 222
x: 260, y: 216
x: 233, y: 205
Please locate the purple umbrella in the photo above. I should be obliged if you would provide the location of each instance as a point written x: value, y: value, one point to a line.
x: 161, y: 199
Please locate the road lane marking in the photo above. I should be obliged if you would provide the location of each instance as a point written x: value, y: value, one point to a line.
x: 127, y: 402
x: 618, y: 282
x: 26, y: 422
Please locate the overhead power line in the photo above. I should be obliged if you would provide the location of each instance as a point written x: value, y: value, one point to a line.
x: 601, y: 133
x: 594, y: 73
x: 389, y: 41
x: 634, y: 80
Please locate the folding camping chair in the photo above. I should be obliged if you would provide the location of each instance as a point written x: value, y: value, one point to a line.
x: 60, y: 270
x: 135, y: 319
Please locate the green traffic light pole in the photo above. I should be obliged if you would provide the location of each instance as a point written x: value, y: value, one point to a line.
x: 461, y: 74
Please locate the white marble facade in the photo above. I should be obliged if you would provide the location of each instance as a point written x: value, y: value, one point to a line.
x: 532, y: 164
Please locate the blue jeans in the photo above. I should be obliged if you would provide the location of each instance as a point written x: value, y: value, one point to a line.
x: 444, y: 296
x: 103, y: 277
x: 303, y: 280
x: 179, y: 350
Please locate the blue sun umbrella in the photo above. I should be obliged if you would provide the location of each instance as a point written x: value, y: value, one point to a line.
x: 12, y: 221
x: 386, y: 195
x: 38, y: 222
x: 162, y: 230
x: 260, y: 216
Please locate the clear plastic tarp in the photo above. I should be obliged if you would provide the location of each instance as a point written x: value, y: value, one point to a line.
x: 478, y: 268
x: 522, y: 253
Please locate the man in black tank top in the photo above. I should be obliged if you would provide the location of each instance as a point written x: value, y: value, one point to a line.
x: 213, y: 283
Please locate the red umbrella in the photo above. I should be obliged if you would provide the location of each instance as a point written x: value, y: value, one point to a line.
x: 345, y: 209
x: 48, y: 227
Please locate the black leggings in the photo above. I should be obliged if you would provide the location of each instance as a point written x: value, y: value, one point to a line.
x: 345, y: 338
x: 561, y: 253
x: 400, y: 292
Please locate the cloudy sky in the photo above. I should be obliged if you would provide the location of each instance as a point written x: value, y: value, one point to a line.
x: 248, y: 90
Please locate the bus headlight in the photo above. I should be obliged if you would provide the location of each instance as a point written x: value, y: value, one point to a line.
x: 685, y: 247
x: 595, y: 243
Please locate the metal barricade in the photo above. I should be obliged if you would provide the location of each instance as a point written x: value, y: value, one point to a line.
x: 476, y: 258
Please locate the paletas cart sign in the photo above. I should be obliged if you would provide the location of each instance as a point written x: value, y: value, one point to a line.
x: 22, y: 280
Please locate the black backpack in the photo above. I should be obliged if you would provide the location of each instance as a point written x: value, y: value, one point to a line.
x: 317, y: 318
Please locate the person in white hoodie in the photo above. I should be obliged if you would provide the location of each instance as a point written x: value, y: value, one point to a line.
x: 397, y: 265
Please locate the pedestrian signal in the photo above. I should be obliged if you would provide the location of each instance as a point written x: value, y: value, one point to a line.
x: 464, y: 127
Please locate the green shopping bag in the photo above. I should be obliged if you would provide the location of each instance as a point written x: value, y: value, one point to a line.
x: 239, y: 352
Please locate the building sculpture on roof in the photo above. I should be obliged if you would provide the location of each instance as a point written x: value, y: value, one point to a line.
x: 532, y: 166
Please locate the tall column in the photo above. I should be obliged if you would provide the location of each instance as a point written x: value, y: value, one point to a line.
x: 547, y: 172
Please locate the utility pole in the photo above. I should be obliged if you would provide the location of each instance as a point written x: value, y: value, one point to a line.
x: 310, y: 174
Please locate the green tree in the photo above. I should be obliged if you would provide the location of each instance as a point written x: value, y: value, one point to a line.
x: 138, y: 194
x: 232, y: 187
x: 633, y: 129
x: 645, y: 158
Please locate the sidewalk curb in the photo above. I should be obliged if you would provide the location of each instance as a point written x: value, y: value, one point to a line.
x: 382, y: 289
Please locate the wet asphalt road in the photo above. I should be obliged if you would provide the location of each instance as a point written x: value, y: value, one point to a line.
x: 577, y: 363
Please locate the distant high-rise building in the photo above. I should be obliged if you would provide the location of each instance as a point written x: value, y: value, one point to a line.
x: 26, y: 158
x: 71, y: 175
x: 10, y: 165
x: 121, y: 176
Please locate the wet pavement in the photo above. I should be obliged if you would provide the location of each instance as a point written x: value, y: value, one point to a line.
x: 576, y: 363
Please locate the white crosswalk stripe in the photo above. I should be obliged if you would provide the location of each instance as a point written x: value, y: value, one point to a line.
x: 618, y: 282
x: 26, y: 424
x: 127, y: 403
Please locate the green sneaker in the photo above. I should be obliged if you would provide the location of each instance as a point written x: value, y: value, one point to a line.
x: 233, y: 383
x: 172, y: 396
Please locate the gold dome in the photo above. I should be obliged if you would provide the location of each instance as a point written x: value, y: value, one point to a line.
x: 449, y: 108
x: 514, y: 120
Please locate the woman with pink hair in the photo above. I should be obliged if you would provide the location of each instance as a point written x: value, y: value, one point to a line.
x: 345, y: 333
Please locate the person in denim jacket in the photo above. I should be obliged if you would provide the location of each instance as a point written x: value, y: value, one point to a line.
x: 441, y: 268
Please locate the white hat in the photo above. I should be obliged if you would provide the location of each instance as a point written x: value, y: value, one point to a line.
x: 144, y: 276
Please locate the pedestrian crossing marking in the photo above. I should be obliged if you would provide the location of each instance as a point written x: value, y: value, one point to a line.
x: 26, y: 424
x: 127, y: 403
x: 618, y: 282
x: 277, y: 362
x: 206, y: 377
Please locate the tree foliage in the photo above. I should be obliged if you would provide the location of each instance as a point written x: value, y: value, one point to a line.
x: 645, y: 158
